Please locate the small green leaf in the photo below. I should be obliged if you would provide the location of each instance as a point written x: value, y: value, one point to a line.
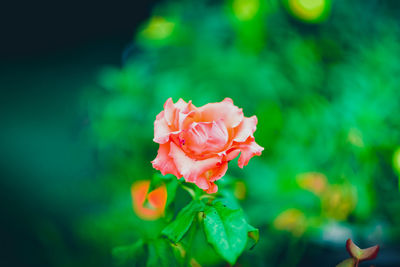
x: 177, y: 228
x: 226, y: 230
x: 254, y: 234
x: 123, y: 254
x: 347, y: 263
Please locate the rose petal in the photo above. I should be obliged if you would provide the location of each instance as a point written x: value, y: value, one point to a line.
x: 247, y: 150
x: 190, y: 168
x: 245, y: 129
x: 218, y: 135
x: 224, y: 110
x: 169, y: 112
x: 173, y: 118
x: 207, y: 179
x: 204, y: 138
x: 181, y: 104
x: 161, y: 129
x: 164, y: 163
x: 209, y: 187
x: 232, y: 153
x: 218, y: 172
x: 185, y: 119
x: 212, y: 189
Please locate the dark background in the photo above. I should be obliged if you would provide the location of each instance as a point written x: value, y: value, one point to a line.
x: 50, y: 50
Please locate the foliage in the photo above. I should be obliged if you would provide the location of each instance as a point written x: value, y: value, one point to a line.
x: 326, y: 97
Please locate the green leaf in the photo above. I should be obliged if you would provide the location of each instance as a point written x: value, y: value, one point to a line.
x: 226, y: 230
x: 254, y: 234
x: 177, y: 228
x: 347, y: 263
x: 123, y: 254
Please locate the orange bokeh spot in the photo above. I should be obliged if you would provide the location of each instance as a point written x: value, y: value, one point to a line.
x: 154, y: 207
x: 292, y: 220
x: 312, y: 181
x: 240, y: 190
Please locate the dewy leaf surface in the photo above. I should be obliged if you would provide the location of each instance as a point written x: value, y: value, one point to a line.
x: 177, y: 228
x: 226, y: 230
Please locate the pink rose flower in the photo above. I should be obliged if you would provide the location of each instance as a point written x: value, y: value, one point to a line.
x: 197, y: 143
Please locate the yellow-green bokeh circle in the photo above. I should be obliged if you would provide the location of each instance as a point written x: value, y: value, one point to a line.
x: 312, y: 11
x: 396, y: 161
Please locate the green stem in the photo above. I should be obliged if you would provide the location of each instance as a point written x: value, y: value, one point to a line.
x: 295, y: 250
x: 189, y: 190
x: 198, y: 192
x: 192, y: 234
x: 207, y: 196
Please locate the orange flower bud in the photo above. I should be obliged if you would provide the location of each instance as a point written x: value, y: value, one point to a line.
x: 154, y: 207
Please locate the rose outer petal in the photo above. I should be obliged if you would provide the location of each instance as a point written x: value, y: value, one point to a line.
x: 169, y: 112
x: 247, y: 150
x: 164, y: 163
x: 207, y: 179
x: 161, y: 129
x: 225, y: 110
x: 245, y: 129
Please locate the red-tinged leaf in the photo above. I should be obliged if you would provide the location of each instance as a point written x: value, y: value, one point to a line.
x: 347, y: 263
x: 361, y: 254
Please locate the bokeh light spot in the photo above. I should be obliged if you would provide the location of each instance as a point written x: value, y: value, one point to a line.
x: 355, y: 137
x: 240, y: 190
x: 339, y: 201
x: 158, y: 28
x: 396, y: 161
x: 246, y: 9
x: 292, y: 220
x: 308, y: 10
x: 312, y: 181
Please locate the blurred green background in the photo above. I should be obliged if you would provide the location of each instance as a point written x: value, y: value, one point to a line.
x: 322, y: 76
